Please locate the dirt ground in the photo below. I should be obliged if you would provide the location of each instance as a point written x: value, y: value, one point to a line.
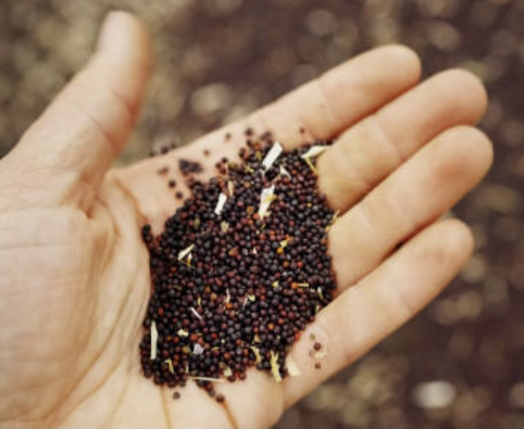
x: 460, y: 363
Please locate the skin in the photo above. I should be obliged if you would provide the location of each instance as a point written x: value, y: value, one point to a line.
x: 74, y: 275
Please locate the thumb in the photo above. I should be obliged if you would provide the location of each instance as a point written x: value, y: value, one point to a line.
x: 67, y: 151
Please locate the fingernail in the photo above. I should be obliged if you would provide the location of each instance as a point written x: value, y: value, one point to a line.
x: 112, y: 26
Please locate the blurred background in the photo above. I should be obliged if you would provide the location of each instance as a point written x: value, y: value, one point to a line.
x: 460, y: 363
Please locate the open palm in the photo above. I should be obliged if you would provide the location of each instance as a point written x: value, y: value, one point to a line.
x: 74, y: 273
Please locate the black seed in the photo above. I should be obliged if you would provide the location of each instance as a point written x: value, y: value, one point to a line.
x: 188, y: 167
x: 239, y: 286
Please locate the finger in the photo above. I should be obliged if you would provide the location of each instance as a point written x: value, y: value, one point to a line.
x: 324, y: 107
x: 76, y: 139
x: 379, y: 304
x: 419, y: 192
x: 366, y: 153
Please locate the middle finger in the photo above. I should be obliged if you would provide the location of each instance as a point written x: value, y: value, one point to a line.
x: 417, y: 193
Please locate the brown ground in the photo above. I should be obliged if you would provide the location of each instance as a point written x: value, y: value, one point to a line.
x: 219, y: 59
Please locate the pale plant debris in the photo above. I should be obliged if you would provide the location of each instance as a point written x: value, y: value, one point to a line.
x: 254, y: 251
x: 284, y: 172
x: 319, y: 355
x: 196, y: 222
x: 154, y: 340
x: 312, y: 154
x: 252, y: 298
x: 314, y: 151
x: 186, y: 263
x: 230, y: 187
x: 195, y: 313
x: 199, y: 301
x: 198, y: 349
x: 320, y: 294
x: 304, y: 284
x: 256, y: 351
x: 227, y: 372
x: 312, y: 336
x: 214, y: 380
x: 256, y: 339
x: 292, y: 367
x: 228, y: 296
x: 183, y: 253
x: 224, y: 226
x: 275, y: 284
x: 275, y: 367
x: 182, y: 333
x: 284, y: 243
x: 311, y: 165
x: 266, y: 198
x: 272, y: 155
x: 170, y: 365
x: 222, y: 198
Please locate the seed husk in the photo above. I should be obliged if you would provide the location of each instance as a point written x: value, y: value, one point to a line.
x: 154, y: 339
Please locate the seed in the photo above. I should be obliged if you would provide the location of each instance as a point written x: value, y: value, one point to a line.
x: 225, y: 299
x: 317, y: 346
x: 318, y: 365
x: 176, y: 395
x: 187, y: 167
x: 172, y: 183
x: 220, y: 398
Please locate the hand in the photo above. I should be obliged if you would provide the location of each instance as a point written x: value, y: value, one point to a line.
x: 74, y: 274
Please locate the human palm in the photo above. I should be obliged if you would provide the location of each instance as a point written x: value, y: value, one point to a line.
x: 74, y: 273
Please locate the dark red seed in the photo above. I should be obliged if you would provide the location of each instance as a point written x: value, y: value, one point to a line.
x: 218, y: 300
x: 317, y: 346
x: 220, y: 398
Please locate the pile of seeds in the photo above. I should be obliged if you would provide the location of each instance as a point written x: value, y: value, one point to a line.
x: 239, y: 271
